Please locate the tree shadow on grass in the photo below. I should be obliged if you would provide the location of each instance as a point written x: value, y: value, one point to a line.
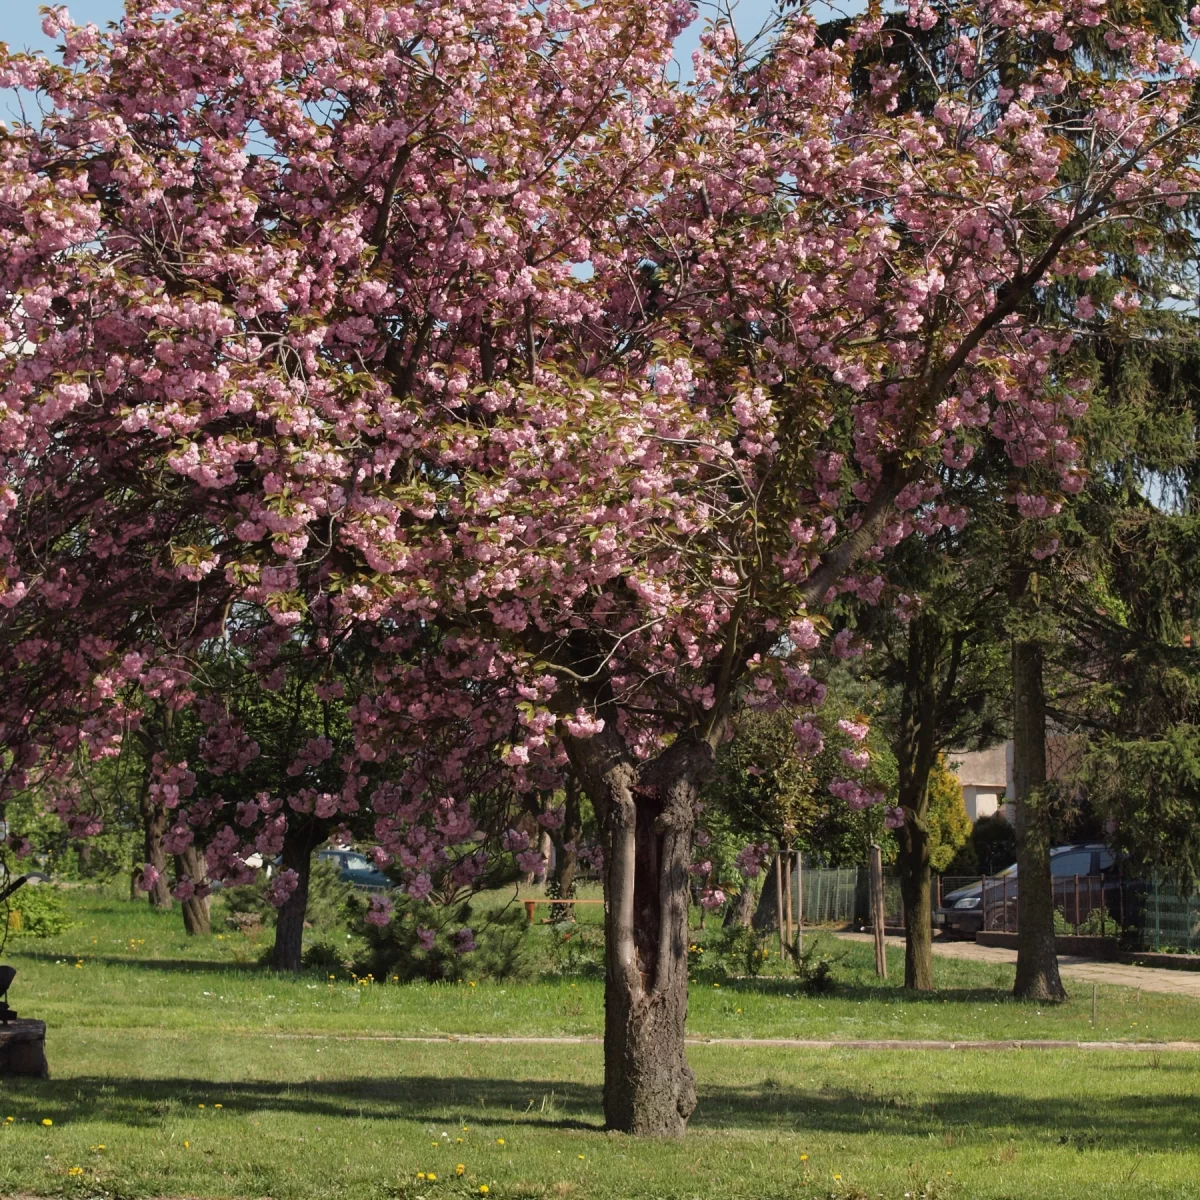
x: 1074, y: 1118
x: 875, y: 993
x: 193, y: 966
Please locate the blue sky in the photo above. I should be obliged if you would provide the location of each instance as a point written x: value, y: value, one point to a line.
x: 21, y: 26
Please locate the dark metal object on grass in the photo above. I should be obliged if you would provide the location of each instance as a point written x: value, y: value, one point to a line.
x: 7, y: 975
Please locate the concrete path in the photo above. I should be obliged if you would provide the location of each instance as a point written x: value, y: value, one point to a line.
x: 1088, y: 970
x: 486, y: 1039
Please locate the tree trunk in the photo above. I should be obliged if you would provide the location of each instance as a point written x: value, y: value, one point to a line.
x: 561, y: 884
x: 647, y: 816
x: 196, y: 918
x: 1037, y: 962
x: 298, y: 844
x: 154, y: 825
x: 766, y: 915
x: 917, y: 889
x: 916, y: 752
x: 741, y: 912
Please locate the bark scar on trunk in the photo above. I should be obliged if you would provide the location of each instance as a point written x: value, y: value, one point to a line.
x: 647, y: 812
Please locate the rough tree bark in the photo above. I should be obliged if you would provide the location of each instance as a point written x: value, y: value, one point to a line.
x: 741, y: 912
x: 646, y: 812
x: 766, y: 916
x: 196, y: 917
x: 1037, y: 962
x: 916, y: 752
x: 154, y: 825
x: 299, y: 842
x: 561, y: 884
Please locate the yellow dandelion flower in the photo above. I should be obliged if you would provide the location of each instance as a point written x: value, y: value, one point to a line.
x: 432, y: 1177
x: 581, y: 1158
x: 420, y: 1174
x: 47, y: 1122
x: 836, y: 1178
x: 484, y: 1189
x: 187, y: 1145
x: 460, y: 1169
x: 472, y: 983
x: 804, y: 1158
x: 199, y: 1105
x: 75, y: 1171
x: 218, y: 1106
x: 9, y: 1120
x: 499, y: 1141
x: 458, y: 1141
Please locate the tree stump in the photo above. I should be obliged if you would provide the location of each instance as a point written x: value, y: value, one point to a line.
x: 23, y: 1049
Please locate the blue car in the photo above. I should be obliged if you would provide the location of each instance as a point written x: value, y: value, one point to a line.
x: 355, y: 868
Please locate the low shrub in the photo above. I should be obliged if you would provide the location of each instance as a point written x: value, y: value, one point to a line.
x: 814, y: 966
x: 1098, y: 923
x: 39, y: 911
x: 732, y: 952
x: 446, y: 942
x: 326, y: 914
x: 576, y: 950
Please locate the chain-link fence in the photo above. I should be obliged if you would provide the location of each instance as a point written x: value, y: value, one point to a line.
x: 841, y: 896
x: 828, y: 895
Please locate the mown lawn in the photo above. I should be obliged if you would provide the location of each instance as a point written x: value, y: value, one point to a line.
x: 124, y: 966
x: 184, y: 1065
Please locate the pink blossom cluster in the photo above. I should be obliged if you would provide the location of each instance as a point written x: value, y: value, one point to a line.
x: 355, y: 390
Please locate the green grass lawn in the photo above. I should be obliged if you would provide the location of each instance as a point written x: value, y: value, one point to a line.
x: 124, y: 966
x: 142, y: 1036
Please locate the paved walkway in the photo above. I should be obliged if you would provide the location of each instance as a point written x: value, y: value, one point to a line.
x: 1089, y: 970
x: 487, y: 1039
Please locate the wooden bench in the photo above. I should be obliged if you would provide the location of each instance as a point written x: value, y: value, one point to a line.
x: 23, y: 1049
x: 531, y: 904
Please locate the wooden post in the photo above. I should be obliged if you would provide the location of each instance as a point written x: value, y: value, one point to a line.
x: 779, y: 899
x: 876, y: 860
x: 787, y: 897
x: 799, y: 900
